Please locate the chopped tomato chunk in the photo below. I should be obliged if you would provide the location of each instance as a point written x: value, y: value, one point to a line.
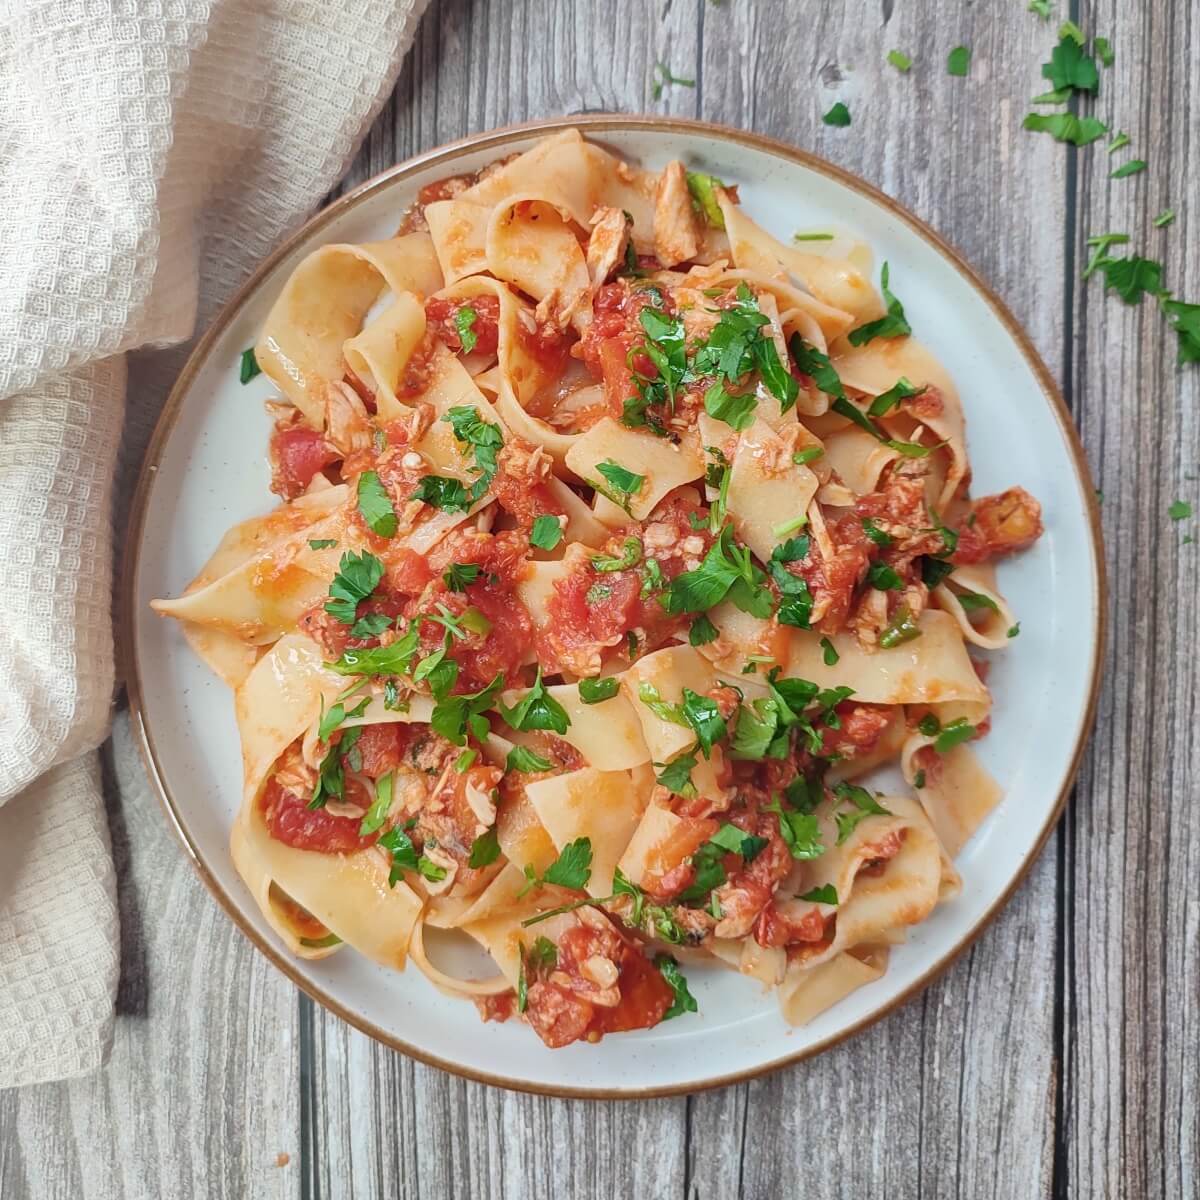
x: 296, y: 454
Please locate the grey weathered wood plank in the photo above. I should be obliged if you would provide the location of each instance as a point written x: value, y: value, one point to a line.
x: 202, y: 1091
x: 387, y: 1126
x: 972, y: 1058
x: 1132, y: 1110
x: 962, y: 1079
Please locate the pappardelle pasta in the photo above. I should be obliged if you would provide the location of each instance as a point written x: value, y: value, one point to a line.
x: 619, y: 540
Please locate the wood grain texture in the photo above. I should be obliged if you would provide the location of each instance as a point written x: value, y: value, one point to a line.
x: 1131, y: 1121
x: 1059, y: 1056
x: 202, y: 1090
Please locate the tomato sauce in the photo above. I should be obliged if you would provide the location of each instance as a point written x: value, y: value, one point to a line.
x: 291, y: 821
x: 441, y: 315
x: 297, y: 453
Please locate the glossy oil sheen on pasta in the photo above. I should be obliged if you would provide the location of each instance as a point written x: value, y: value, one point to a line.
x: 618, y: 539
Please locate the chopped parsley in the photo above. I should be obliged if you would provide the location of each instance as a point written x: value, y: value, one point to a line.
x: 1179, y: 510
x: 521, y: 758
x: 464, y: 324
x: 800, y: 830
x: 573, y: 866
x: 838, y: 115
x: 919, y: 780
x: 1133, y: 167
x: 684, y: 1001
x: 371, y: 625
x: 662, y: 77
x: 894, y: 324
x: 460, y: 576
x: 1100, y: 243
x: 630, y: 556
x: 1132, y: 278
x: 954, y: 734
x: 442, y: 492
x: 1164, y: 218
x: 664, y: 346
x: 375, y: 505
x: 1122, y: 139
x: 537, y: 709
x: 1104, y: 51
x: 829, y: 654
x: 621, y: 480
x: 394, y: 659
x: 546, y: 533
x: 377, y: 813
x: 877, y: 535
x: 1185, y: 320
x: 825, y: 894
x: 596, y: 691
x: 357, y: 577
x: 1014, y: 631
x: 331, y: 775
x: 974, y: 601
x: 884, y: 578
x: 1066, y: 127
x: 886, y: 401
x: 702, y: 632
x: 704, y: 197
x: 808, y: 454
x: 727, y: 571
x: 902, y: 628
x: 248, y: 367
x: 1070, y: 66
x: 796, y: 601
x: 865, y: 805
x: 485, y: 440
x: 900, y: 61
x: 958, y: 62
x: 321, y: 543
x: 676, y: 776
x: 1043, y: 8
x: 704, y: 717
x: 455, y: 716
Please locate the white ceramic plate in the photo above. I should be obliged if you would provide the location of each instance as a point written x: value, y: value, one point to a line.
x: 207, y: 470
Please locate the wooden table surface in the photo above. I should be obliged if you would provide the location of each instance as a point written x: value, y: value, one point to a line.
x: 1060, y: 1055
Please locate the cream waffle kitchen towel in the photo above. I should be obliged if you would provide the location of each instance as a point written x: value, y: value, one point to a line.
x: 151, y: 153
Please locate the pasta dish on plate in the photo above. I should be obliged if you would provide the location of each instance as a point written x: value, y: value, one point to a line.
x: 621, y: 545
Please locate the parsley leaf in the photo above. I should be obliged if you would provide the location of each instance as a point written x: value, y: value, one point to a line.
x: 521, y: 758
x: 376, y: 505
x: 1100, y: 243
x: 1185, y: 320
x: 461, y: 575
x: 442, y: 492
x: 357, y: 577
x: 958, y: 62
x: 485, y: 440
x: 829, y: 654
x: 1179, y: 510
x: 454, y: 716
x: 464, y: 324
x: 546, y: 533
x: 394, y: 659
x: 1070, y: 66
x: 596, y: 691
x: 884, y: 578
x: 800, y: 831
x: 703, y: 715
x: 894, y: 324
x: 704, y: 197
x: 1132, y: 278
x: 372, y: 625
x: 886, y: 401
x: 900, y: 60
x: 865, y: 805
x: 684, y: 1001
x: 903, y: 626
x: 1133, y: 167
x: 726, y: 570
x: 736, y: 410
x: 1104, y: 51
x: 702, y: 632
x: 676, y: 776
x: 573, y: 867
x: 248, y: 367
x: 403, y: 852
x: 630, y: 556
x: 838, y: 115
x: 621, y: 479
x: 953, y: 734
x: 974, y: 601
x: 537, y: 709
x: 1043, y: 8
x: 321, y: 543
x: 1066, y: 127
x: 375, y: 816
x: 817, y: 366
x: 825, y: 894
